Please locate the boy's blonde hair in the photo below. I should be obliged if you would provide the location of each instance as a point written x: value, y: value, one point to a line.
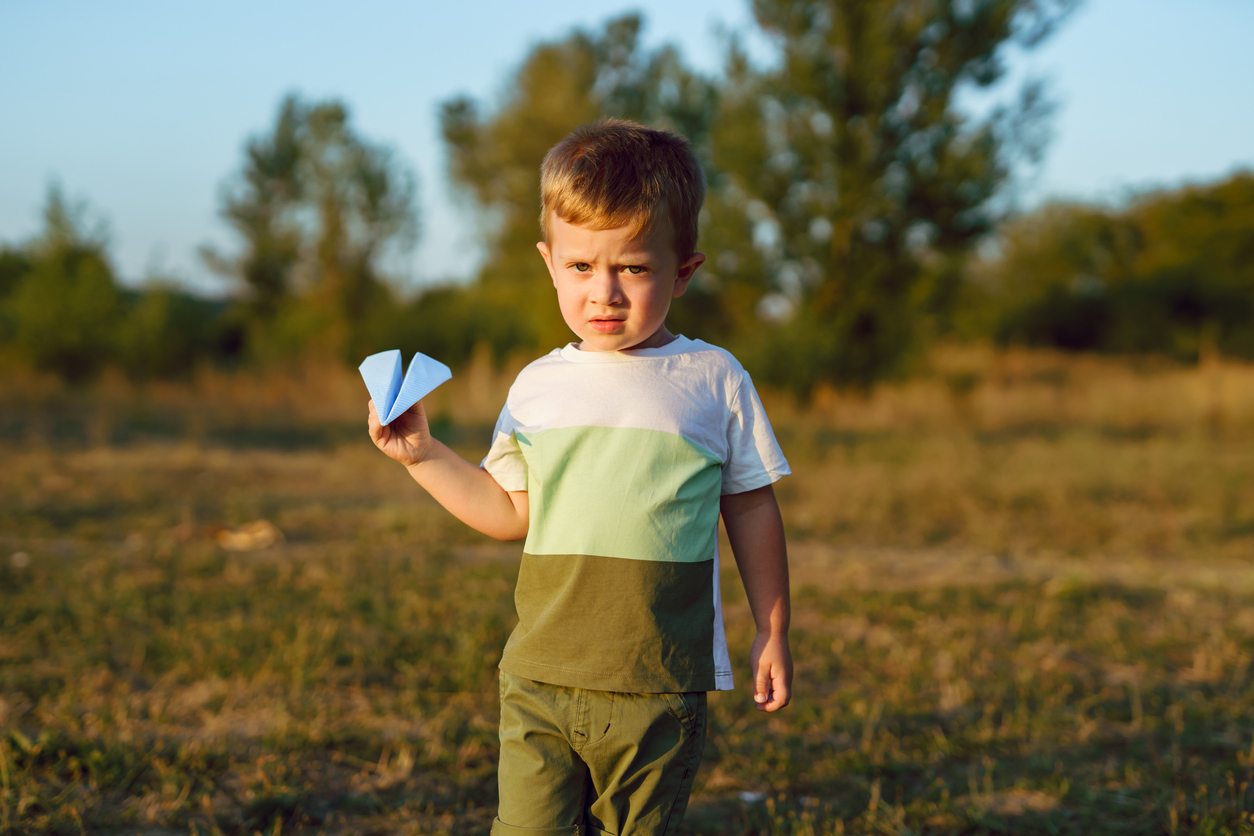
x: 615, y: 172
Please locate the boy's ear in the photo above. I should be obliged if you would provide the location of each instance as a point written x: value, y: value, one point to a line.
x: 686, y: 270
x: 543, y: 247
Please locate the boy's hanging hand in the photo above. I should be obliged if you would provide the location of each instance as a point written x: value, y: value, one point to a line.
x: 756, y: 532
x: 770, y: 661
x: 407, y: 439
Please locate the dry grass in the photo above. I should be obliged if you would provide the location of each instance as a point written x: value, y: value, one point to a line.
x: 1024, y: 602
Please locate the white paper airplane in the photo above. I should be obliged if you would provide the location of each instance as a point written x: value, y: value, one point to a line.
x: 393, y: 394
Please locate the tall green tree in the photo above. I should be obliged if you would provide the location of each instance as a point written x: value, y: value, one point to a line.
x: 848, y: 181
x: 316, y: 206
x: 846, y: 185
x: 260, y: 206
x: 495, y: 154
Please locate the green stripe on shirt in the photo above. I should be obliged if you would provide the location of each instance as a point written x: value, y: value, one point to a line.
x: 621, y: 492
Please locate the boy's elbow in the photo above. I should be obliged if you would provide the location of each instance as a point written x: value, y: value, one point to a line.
x: 511, y: 536
x: 510, y: 533
x: 514, y: 525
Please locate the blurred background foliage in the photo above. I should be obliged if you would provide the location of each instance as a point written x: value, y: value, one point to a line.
x: 855, y: 215
x: 1170, y: 273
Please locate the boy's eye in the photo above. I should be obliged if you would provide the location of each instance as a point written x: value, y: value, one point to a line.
x: 635, y: 269
x: 582, y: 267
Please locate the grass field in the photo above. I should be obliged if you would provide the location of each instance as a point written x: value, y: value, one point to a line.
x: 1023, y: 603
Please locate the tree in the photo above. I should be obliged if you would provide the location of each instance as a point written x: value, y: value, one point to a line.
x: 1194, y: 271
x: 64, y: 306
x: 845, y: 184
x: 495, y: 158
x: 260, y: 206
x: 14, y: 264
x: 316, y: 206
x: 1170, y: 273
x: 166, y: 332
x: 848, y: 184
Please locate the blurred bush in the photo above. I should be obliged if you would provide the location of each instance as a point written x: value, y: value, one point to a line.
x: 1171, y: 273
x: 60, y: 305
x: 62, y: 310
x: 165, y: 332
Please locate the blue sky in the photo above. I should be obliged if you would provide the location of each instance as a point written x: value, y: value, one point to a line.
x: 142, y: 108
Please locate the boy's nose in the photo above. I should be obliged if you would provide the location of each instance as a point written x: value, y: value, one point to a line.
x: 606, y: 290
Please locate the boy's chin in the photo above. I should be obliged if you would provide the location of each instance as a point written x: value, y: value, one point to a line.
x: 619, y: 342
x: 600, y: 343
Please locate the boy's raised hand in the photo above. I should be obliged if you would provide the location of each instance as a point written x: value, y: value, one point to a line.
x: 407, y: 439
x: 468, y: 491
x: 770, y: 661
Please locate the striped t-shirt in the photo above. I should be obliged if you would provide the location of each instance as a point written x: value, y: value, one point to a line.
x: 624, y: 455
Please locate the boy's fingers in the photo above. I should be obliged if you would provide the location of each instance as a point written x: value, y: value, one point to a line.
x: 762, y: 686
x: 372, y: 421
x: 780, y: 691
x: 780, y: 695
x: 771, y: 691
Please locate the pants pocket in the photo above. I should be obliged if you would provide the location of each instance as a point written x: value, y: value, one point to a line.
x: 689, y: 709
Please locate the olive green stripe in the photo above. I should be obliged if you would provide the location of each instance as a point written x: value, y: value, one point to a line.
x: 614, y: 625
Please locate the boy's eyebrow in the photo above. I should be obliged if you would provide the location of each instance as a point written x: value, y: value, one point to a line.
x: 578, y: 256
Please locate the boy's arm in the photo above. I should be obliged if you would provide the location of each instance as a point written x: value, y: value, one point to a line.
x: 756, y: 532
x: 468, y: 492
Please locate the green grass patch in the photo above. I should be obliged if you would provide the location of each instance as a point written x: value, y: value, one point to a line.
x: 343, y: 679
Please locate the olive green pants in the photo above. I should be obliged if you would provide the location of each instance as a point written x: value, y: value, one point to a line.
x: 578, y: 762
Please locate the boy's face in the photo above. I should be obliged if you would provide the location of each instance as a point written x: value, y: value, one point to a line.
x: 615, y: 290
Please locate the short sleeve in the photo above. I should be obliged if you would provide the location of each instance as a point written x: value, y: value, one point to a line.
x: 505, y: 462
x: 754, y: 459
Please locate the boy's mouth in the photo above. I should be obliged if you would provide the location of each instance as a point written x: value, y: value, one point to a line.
x: 605, y: 324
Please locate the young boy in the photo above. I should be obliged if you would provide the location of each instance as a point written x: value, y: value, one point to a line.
x: 614, y: 458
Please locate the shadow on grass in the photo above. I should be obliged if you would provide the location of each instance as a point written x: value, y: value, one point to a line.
x: 71, y: 429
